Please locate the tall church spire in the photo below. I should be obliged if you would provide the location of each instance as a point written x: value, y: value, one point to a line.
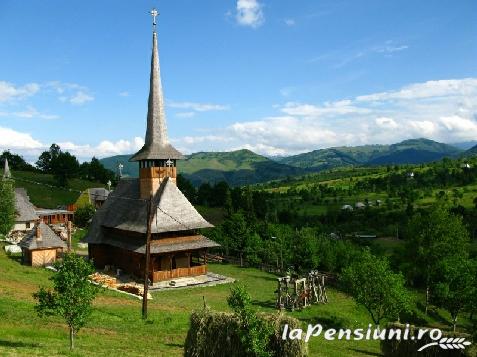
x: 6, y: 171
x: 156, y: 146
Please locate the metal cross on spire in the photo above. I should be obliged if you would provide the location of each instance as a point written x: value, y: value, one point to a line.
x: 154, y: 14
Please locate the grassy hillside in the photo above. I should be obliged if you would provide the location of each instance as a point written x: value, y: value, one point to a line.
x: 116, y: 326
x: 413, y: 151
x: 49, y: 197
x: 236, y: 167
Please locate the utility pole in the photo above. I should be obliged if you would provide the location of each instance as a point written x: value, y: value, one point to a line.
x: 148, y: 258
x: 68, y: 232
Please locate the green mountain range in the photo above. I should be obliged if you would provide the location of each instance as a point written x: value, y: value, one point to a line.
x: 237, y: 168
x: 413, y: 151
x: 472, y: 151
x: 245, y: 167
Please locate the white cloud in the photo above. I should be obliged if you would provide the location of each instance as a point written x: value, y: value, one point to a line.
x: 327, y: 109
x: 444, y: 110
x: 185, y: 115
x: 104, y: 148
x: 386, y: 123
x: 73, y: 93
x: 249, y: 13
x: 10, y: 92
x: 290, y: 22
x: 80, y: 97
x: 12, y: 139
x: 124, y: 94
x: 429, y: 89
x: 32, y: 112
x: 198, y: 107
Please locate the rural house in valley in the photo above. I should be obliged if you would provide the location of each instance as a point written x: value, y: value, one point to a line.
x: 41, y: 246
x: 117, y: 235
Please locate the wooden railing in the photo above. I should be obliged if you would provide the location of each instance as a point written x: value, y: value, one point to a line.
x: 179, y: 272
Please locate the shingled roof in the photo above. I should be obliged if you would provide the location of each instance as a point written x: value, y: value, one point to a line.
x: 156, y: 145
x: 159, y: 247
x: 49, y: 239
x: 24, y: 209
x: 124, y: 210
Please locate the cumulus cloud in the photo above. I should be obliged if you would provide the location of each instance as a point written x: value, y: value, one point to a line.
x: 80, y: 97
x: 70, y: 92
x: 443, y: 110
x: 9, y: 92
x: 430, y: 89
x: 198, y: 107
x: 249, y: 13
x: 386, y: 123
x: 12, y: 139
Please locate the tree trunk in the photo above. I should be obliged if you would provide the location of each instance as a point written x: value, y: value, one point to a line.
x: 72, y: 338
x: 454, y: 323
x: 427, y: 298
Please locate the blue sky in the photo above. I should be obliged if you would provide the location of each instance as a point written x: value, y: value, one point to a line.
x: 275, y: 76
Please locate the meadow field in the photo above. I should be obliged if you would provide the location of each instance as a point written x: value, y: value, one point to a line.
x: 116, y: 326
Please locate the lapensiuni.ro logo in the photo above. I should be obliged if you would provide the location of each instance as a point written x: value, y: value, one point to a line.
x: 375, y: 333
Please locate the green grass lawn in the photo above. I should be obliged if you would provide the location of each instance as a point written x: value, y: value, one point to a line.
x: 116, y: 326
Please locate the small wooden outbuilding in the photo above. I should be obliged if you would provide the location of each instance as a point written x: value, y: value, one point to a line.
x: 41, y: 246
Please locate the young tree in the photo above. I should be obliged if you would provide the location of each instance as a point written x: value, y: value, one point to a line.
x: 431, y: 239
x: 72, y: 295
x: 7, y: 206
x: 83, y: 215
x: 373, y: 285
x: 455, y: 288
x: 254, y: 333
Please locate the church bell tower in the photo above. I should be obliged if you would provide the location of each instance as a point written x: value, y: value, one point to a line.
x: 157, y: 158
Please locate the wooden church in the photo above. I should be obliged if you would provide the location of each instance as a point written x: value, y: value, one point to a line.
x: 117, y: 236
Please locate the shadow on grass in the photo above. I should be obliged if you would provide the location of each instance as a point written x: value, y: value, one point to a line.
x: 433, y: 313
x: 15, y: 257
x: 266, y: 304
x: 327, y: 322
x: 364, y: 352
x: 6, y: 343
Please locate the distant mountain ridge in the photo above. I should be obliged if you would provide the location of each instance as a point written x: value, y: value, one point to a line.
x: 246, y: 167
x: 237, y: 168
x: 472, y: 151
x: 412, y: 151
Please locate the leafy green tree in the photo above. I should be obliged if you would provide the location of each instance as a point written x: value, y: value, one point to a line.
x: 64, y: 167
x: 44, y: 162
x: 72, y: 294
x: 305, y: 250
x: 15, y: 161
x: 375, y: 286
x: 455, y: 288
x: 237, y: 231
x: 431, y: 239
x: 253, y: 249
x: 187, y: 188
x: 83, y: 215
x: 7, y: 206
x: 254, y: 333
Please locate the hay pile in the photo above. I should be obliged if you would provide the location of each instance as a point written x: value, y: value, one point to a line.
x: 215, y: 334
